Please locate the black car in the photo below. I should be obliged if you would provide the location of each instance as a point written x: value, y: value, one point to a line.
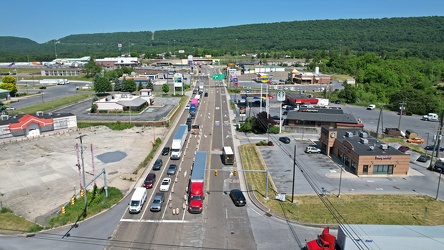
x: 423, y: 158
x: 172, y: 169
x: 206, y: 94
x: 194, y: 91
x: 284, y: 139
x: 42, y: 87
x: 165, y: 150
x: 338, y: 102
x: 158, y: 164
x: 430, y: 147
x: 238, y: 197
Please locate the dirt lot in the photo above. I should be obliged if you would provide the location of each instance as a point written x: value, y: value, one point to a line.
x: 39, y: 175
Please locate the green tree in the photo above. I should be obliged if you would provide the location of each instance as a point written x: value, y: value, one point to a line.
x: 150, y: 85
x: 91, y: 68
x: 349, y: 93
x: 165, y: 88
x: 9, y: 86
x: 102, y: 85
x: 140, y: 86
x: 117, y: 85
x: 9, y: 79
x: 129, y: 85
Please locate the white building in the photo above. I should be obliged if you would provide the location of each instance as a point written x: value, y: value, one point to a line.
x: 121, y: 102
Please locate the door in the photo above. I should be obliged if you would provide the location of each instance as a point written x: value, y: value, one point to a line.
x: 365, y: 170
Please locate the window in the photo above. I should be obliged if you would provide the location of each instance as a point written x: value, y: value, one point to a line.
x: 383, y: 169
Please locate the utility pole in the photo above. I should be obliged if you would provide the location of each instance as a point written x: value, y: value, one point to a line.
x: 438, y: 145
x: 294, y: 174
x: 402, y: 108
x: 83, y: 172
x: 377, y: 127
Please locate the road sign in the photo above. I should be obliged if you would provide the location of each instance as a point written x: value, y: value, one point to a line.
x: 217, y: 76
x: 280, y: 96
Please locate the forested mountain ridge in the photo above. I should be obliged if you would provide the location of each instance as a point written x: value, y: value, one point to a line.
x: 411, y: 36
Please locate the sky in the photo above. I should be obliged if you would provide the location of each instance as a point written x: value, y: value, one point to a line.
x: 46, y: 20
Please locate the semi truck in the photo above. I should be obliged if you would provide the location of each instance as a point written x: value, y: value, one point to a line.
x: 201, y: 87
x: 193, y: 106
x: 178, y: 141
x: 196, y: 184
x: 51, y: 81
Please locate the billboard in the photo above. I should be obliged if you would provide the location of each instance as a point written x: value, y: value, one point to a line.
x: 178, y: 80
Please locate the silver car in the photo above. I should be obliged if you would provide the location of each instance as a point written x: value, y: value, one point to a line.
x: 158, y: 200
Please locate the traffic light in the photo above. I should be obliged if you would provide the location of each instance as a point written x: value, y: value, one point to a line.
x: 63, y: 209
x: 72, y: 200
x: 82, y: 192
x: 215, y: 172
x: 235, y: 172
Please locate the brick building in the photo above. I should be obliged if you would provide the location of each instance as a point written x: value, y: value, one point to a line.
x: 361, y: 154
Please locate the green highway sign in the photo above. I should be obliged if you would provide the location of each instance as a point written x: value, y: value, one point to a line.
x: 217, y: 76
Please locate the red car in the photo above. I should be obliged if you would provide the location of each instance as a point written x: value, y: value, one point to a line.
x: 149, y: 181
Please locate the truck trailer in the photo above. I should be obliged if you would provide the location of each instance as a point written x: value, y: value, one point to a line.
x: 196, y: 184
x: 178, y: 142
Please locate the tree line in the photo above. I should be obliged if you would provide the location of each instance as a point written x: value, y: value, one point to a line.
x: 402, y: 37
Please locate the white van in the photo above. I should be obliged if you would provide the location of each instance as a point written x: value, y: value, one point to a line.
x: 137, y: 200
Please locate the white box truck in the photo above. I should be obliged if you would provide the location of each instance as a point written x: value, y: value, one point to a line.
x: 137, y: 200
x: 178, y: 141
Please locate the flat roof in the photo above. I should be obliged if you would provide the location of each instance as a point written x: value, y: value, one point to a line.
x: 396, y: 236
x: 372, y: 147
x: 331, y: 116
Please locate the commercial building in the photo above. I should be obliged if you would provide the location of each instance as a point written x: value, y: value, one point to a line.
x: 310, y: 78
x: 121, y: 102
x: 121, y: 61
x: 361, y: 154
x: 317, y: 117
x: 33, y: 125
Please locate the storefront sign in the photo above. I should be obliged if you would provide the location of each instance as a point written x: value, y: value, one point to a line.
x: 383, y: 157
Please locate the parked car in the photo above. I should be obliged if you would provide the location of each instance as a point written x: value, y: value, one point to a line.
x: 310, y: 150
x: 284, y: 139
x: 423, y: 158
x: 172, y: 169
x: 42, y: 87
x: 289, y: 107
x: 338, y: 102
x: 149, y: 180
x: 166, y: 151
x: 158, y: 164
x: 158, y: 200
x: 165, y: 185
x: 415, y: 140
x: 430, y: 147
x: 371, y: 107
x: 194, y: 91
x: 403, y: 149
x: 237, y: 197
x: 206, y: 94
x: 187, y: 106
